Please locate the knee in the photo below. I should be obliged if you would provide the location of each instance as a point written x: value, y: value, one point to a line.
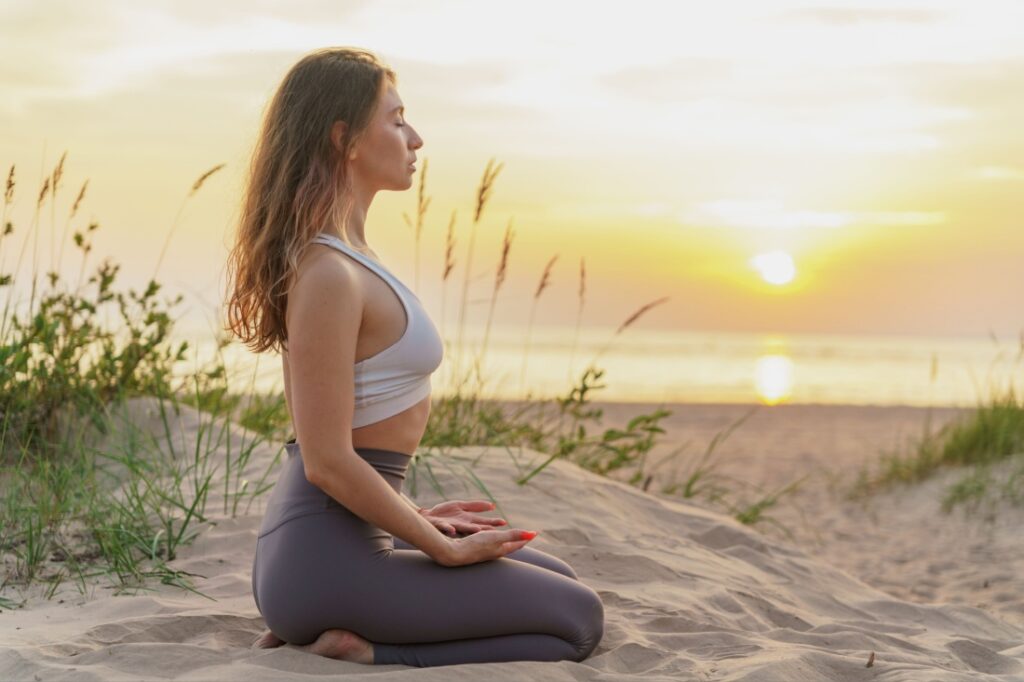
x: 591, y: 624
x: 559, y: 566
x: 544, y: 560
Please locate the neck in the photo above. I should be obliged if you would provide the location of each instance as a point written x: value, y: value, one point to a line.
x: 361, y: 198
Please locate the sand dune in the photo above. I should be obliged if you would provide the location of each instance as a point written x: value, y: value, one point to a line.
x: 689, y: 594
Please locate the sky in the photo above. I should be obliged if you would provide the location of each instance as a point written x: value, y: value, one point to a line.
x: 768, y: 166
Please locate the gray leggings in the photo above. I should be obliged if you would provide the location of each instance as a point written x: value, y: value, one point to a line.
x: 318, y: 566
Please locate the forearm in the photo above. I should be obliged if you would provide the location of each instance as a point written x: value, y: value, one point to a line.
x: 360, y: 489
x: 409, y: 501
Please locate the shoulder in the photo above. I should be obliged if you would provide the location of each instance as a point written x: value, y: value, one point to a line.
x: 325, y: 277
x: 323, y: 267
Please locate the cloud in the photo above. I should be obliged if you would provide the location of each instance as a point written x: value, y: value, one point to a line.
x: 773, y: 215
x: 674, y: 80
x: 997, y: 173
x: 69, y: 50
x: 844, y: 16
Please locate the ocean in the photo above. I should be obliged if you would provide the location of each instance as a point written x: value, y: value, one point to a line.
x: 698, y: 367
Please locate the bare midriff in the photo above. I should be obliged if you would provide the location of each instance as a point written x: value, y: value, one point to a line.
x: 401, y: 432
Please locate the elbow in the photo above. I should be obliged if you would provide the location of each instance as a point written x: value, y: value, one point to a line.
x: 320, y: 470
x: 317, y: 475
x: 322, y: 473
x: 314, y: 475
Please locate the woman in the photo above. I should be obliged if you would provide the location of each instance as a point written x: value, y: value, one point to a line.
x: 346, y: 566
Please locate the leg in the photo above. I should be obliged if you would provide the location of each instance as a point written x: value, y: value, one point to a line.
x: 324, y: 574
x: 527, y: 554
x: 426, y: 614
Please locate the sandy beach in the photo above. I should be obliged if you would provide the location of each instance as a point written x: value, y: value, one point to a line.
x: 689, y: 592
x: 898, y: 541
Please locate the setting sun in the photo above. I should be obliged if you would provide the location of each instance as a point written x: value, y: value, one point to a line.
x: 775, y: 267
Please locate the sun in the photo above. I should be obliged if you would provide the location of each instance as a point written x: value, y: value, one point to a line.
x: 775, y: 267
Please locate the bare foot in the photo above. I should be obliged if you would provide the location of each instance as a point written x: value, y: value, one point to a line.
x: 343, y: 645
x: 268, y: 640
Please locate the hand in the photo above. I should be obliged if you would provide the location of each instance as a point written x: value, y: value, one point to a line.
x: 483, y: 546
x: 458, y: 516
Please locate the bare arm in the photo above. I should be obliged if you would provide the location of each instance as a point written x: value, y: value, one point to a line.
x: 323, y: 318
x: 411, y: 503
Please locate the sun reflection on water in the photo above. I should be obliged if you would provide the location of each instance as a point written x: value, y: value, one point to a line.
x: 773, y: 378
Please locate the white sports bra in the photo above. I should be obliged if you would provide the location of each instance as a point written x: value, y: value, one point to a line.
x: 397, y: 377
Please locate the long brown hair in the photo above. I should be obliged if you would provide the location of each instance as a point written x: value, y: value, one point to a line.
x: 297, y: 184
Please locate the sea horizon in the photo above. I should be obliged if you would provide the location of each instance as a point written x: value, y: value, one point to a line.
x: 654, y: 366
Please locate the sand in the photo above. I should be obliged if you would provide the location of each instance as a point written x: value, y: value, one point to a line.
x: 689, y: 593
x: 900, y: 541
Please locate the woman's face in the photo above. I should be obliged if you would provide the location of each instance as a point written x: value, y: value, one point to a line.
x: 383, y: 157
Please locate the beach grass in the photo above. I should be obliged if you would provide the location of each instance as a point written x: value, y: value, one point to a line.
x: 987, y: 437
x: 87, y: 493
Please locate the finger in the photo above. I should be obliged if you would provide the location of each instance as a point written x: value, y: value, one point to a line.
x: 489, y: 521
x: 477, y: 505
x: 514, y: 534
x: 509, y: 547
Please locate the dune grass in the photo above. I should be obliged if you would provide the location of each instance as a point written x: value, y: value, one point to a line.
x: 79, y: 503
x: 991, y: 435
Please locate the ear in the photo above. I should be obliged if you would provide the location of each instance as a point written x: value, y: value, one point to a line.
x: 338, y: 130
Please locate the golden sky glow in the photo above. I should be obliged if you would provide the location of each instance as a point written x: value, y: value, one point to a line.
x: 876, y: 145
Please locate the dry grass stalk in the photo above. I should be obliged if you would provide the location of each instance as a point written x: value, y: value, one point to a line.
x: 57, y: 175
x: 195, y: 188
x: 544, y: 278
x: 643, y: 309
x: 542, y: 285
x: 422, y: 203
x: 499, y: 279
x: 583, y: 283
x: 449, y: 249
x: 449, y: 265
x: 581, y: 295
x: 74, y: 210
x: 58, y: 172
x: 9, y: 191
x: 43, y: 191
x: 81, y: 195
x: 202, y: 178
x: 630, y: 320
x: 486, y: 184
x: 8, y: 227
x: 482, y: 196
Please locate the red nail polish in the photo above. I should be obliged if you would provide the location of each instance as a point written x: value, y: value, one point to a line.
x: 528, y: 535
